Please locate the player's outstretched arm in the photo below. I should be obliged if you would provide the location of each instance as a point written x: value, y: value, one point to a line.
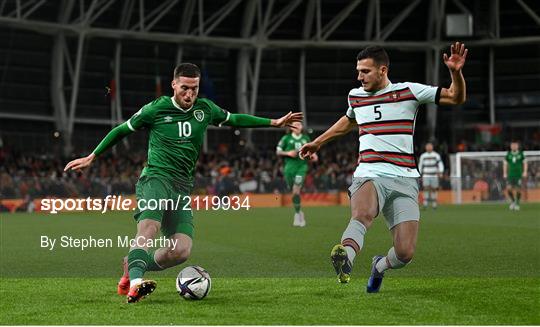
x: 244, y: 120
x: 456, y: 93
x: 343, y: 126
x: 115, y: 135
x: 291, y: 153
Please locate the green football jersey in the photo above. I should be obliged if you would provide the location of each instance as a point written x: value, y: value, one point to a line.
x: 515, y: 163
x: 290, y: 142
x: 176, y: 136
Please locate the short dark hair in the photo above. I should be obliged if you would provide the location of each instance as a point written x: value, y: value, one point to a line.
x: 375, y: 52
x: 187, y: 70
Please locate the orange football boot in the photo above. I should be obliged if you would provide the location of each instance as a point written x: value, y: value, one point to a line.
x: 140, y: 291
x: 123, y: 284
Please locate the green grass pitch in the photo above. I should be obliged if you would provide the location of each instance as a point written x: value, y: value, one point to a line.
x: 477, y: 264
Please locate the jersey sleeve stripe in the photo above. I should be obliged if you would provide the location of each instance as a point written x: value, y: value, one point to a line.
x: 129, y: 126
x: 226, y: 119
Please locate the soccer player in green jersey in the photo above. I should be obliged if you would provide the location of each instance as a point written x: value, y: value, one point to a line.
x: 514, y: 169
x: 295, y: 168
x: 176, y: 127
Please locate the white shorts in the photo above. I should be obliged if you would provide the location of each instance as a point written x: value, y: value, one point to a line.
x: 398, y: 197
x: 430, y: 181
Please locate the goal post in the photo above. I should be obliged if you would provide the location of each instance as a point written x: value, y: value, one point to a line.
x: 478, y: 176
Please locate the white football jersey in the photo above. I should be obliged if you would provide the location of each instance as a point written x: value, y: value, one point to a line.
x: 386, y: 126
x: 430, y: 164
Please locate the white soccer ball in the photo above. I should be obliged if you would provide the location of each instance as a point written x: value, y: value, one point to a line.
x: 193, y: 283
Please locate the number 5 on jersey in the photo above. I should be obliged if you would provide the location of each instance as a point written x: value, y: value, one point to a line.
x: 378, y: 114
x: 184, y: 129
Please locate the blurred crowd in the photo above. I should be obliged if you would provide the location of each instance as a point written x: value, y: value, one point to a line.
x: 217, y: 173
x: 35, y: 176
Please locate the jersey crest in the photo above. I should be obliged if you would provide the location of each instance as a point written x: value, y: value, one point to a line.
x: 199, y: 115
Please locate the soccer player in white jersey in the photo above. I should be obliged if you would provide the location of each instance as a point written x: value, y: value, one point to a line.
x: 431, y: 167
x: 385, y: 180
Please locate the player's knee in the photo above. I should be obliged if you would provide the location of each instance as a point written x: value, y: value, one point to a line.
x: 148, y: 228
x: 364, y: 216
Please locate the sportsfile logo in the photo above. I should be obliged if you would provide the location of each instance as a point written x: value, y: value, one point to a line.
x: 120, y: 203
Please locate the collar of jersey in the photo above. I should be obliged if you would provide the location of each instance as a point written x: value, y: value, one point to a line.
x: 296, y: 137
x: 382, y: 90
x: 178, y: 106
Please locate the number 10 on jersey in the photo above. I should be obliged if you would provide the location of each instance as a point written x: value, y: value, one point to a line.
x: 184, y: 129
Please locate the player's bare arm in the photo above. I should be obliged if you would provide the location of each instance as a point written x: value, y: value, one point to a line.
x: 343, y: 126
x: 505, y: 169
x: 244, y: 120
x: 456, y: 93
x: 80, y: 163
x: 282, y: 153
x: 115, y: 135
x: 287, y: 120
x: 525, y: 167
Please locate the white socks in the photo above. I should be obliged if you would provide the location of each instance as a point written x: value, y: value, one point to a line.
x: 353, y: 238
x: 135, y: 282
x: 391, y: 261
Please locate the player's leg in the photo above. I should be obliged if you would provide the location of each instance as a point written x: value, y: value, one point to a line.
x: 299, y: 179
x: 178, y: 228
x: 139, y: 260
x: 518, y: 193
x: 404, y: 237
x: 364, y: 208
x: 402, y: 214
x: 510, y: 192
x: 289, y: 175
x: 297, y: 199
x: 176, y: 253
x: 427, y: 191
x: 149, y: 220
x: 435, y: 188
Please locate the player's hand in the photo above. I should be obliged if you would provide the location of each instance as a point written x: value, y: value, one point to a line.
x: 524, y: 175
x: 314, y: 158
x: 505, y: 176
x: 80, y: 163
x: 288, y: 119
x: 308, y: 150
x: 292, y: 153
x: 458, y: 53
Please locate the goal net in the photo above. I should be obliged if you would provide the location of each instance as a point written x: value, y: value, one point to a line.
x: 478, y: 177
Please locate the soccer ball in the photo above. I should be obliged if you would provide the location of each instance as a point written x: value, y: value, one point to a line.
x: 193, y: 283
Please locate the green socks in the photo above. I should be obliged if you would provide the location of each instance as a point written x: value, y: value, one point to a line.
x: 137, y: 263
x: 296, y: 202
x: 511, y: 195
x: 152, y: 264
x: 518, y: 197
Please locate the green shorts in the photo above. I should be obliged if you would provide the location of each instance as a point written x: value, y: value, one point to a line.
x: 514, y: 181
x: 295, y: 176
x: 158, y: 199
